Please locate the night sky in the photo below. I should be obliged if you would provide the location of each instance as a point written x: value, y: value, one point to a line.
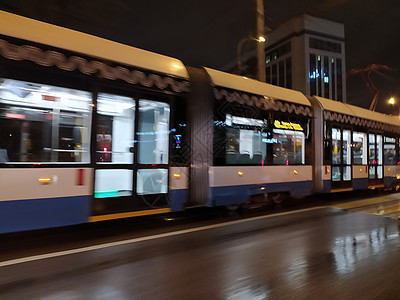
x: 206, y: 33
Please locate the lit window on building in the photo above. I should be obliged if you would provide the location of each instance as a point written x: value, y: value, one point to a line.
x: 325, y: 77
x: 325, y: 45
x: 279, y: 66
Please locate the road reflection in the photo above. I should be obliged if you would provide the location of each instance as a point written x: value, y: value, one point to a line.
x: 310, y: 258
x: 350, y: 250
x: 320, y: 254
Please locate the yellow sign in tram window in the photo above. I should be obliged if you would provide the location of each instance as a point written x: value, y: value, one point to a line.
x: 287, y: 125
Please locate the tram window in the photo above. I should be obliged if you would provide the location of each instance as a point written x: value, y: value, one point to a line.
x: 336, y: 146
x: 180, y: 154
x: 380, y: 172
x: 371, y: 172
x: 379, y: 146
x: 327, y: 144
x: 113, y: 183
x: 389, y: 151
x: 115, y: 128
x: 153, y: 133
x: 43, y: 124
x: 246, y: 140
x: 360, y: 148
x: 375, y: 149
x: 372, y: 149
x: 336, y: 175
x: 288, y: 147
x: 346, y: 147
x: 346, y: 173
x: 152, y: 181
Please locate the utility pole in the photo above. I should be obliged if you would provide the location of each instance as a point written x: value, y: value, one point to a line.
x: 260, y: 46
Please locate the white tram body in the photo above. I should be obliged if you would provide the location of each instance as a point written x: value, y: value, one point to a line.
x: 94, y: 130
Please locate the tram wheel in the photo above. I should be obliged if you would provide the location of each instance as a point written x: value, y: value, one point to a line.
x: 278, y: 199
x: 232, y: 207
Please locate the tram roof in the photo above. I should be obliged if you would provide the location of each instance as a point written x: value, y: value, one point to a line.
x: 56, y: 36
x: 245, y: 84
x: 352, y: 110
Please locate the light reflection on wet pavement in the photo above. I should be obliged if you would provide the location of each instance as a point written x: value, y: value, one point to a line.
x: 320, y: 254
x: 388, y: 206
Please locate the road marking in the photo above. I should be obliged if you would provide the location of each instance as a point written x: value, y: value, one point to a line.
x: 146, y: 238
x: 129, y: 214
x: 341, y: 190
x: 385, y: 210
x: 360, y: 203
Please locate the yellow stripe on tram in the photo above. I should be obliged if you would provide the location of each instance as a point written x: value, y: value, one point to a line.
x: 129, y: 214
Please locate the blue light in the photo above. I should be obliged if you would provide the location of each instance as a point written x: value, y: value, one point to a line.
x: 270, y: 141
x: 314, y: 75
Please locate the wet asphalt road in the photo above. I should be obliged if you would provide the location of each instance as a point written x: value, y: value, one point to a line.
x: 323, y: 253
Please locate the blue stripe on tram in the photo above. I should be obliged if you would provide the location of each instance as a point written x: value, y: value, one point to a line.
x: 19, y: 215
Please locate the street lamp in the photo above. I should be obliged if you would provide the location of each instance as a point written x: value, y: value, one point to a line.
x: 392, y: 101
x: 261, y: 39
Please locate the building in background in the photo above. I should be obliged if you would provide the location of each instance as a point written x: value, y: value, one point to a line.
x: 307, y: 54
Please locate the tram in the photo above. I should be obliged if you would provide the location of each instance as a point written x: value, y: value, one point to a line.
x: 94, y: 130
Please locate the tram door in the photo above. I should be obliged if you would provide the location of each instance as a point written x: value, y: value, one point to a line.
x: 132, y: 149
x: 375, y: 158
x: 341, y: 158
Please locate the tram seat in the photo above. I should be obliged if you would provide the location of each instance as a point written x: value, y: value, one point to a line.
x: 279, y: 160
x: 257, y: 159
x: 3, y: 156
x: 231, y: 158
x: 244, y: 158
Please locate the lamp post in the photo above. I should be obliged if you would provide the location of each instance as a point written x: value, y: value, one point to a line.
x: 261, y: 75
x: 261, y: 39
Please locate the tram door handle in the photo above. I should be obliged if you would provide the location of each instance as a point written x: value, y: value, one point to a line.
x: 132, y: 149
